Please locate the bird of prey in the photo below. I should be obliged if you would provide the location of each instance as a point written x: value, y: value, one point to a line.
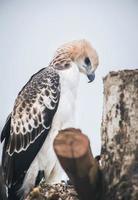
x: 44, y: 106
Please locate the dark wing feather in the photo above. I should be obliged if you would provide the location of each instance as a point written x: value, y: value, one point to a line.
x: 30, y: 122
x: 5, y: 128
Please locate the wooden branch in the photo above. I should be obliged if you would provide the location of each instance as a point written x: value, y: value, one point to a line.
x: 73, y: 151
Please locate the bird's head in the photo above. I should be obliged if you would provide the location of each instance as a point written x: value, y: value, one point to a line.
x: 82, y: 54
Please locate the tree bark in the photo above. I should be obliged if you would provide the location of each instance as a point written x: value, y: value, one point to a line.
x: 120, y: 135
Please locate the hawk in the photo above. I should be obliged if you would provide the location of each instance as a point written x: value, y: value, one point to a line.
x: 44, y: 106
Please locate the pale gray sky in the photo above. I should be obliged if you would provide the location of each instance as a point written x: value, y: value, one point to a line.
x: 31, y: 30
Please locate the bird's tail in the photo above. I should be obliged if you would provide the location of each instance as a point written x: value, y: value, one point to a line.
x: 12, y: 194
x: 3, y: 195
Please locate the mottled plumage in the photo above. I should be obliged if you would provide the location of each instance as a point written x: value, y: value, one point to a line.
x: 44, y: 106
x: 28, y: 120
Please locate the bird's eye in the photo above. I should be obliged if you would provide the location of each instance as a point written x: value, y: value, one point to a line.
x: 87, y: 61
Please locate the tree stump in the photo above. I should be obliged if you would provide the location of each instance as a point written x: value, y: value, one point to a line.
x: 120, y: 135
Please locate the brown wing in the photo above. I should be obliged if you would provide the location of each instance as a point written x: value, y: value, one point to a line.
x: 32, y: 110
x: 31, y: 120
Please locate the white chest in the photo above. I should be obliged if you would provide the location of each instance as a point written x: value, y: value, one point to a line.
x: 69, y: 80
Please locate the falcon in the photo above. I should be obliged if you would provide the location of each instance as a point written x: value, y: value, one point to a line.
x: 44, y: 106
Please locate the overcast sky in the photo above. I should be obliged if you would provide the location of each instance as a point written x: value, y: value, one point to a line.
x: 31, y: 30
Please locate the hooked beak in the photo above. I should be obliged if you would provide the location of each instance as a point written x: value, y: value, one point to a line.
x: 91, y: 77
